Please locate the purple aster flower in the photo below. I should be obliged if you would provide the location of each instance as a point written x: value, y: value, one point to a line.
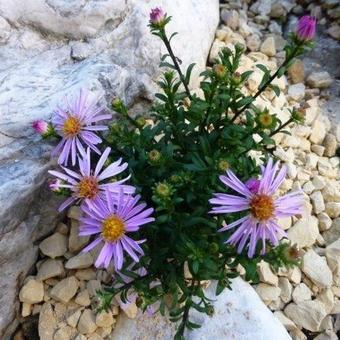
x: 75, y: 124
x: 40, y: 126
x: 113, y: 220
x: 157, y: 15
x: 263, y: 207
x: 253, y: 185
x: 87, y: 185
x: 306, y: 28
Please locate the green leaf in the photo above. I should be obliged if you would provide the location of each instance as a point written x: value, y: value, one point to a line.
x: 245, y: 101
x: 246, y: 75
x: 188, y: 73
x: 262, y: 68
x: 275, y: 88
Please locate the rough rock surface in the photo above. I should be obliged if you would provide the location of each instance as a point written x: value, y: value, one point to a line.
x: 51, y: 48
x: 239, y: 314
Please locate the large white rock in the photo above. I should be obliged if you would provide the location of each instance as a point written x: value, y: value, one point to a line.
x: 52, y: 48
x: 239, y: 314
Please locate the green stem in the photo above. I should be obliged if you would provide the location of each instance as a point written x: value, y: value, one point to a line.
x: 174, y: 59
x: 206, y: 118
x: 281, y: 127
x: 185, y: 316
x: 268, y: 82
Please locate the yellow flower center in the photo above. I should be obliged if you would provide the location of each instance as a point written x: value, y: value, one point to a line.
x: 113, y: 228
x: 266, y: 119
x: 88, y: 187
x: 262, y: 207
x: 71, y: 126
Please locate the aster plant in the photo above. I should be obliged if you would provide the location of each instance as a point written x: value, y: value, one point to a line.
x: 208, y: 207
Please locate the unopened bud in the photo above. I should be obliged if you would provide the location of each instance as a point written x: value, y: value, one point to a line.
x: 157, y: 16
x: 42, y: 128
x: 117, y: 104
x: 163, y: 190
x: 154, y: 156
x: 292, y: 253
x: 306, y: 28
x: 223, y: 165
x: 220, y: 70
x: 266, y: 120
x: 141, y: 121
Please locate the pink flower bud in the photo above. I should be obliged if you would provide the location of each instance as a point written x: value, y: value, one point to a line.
x: 157, y: 15
x: 54, y: 185
x: 306, y: 28
x: 40, y: 126
x: 253, y: 185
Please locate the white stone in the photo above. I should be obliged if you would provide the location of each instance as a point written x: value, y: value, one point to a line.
x: 286, y: 156
x: 296, y: 91
x: 308, y: 187
x: 291, y: 170
x: 307, y: 314
x: 87, y: 322
x: 215, y: 50
x: 268, y: 293
x: 65, y: 289
x: 318, y: 182
x: 74, y: 212
x: 301, y: 293
x: 73, y: 318
x: 328, y: 335
x: 319, y: 79
x: 268, y: 47
x: 333, y: 255
x: 318, y: 149
x: 253, y: 42
x: 327, y: 298
x: 325, y: 168
x: 80, y: 261
x: 294, y: 275
x: 248, y: 319
x: 312, y: 111
x: 318, y: 132
x: 325, y: 221
x: 286, y: 289
x: 304, y: 232
x: 93, y: 286
x: 266, y: 274
x: 330, y: 145
x: 32, y: 292
x: 26, y: 309
x: 331, y: 193
x: 47, y: 322
x: 230, y: 18
x: 54, y: 246
x: 288, y: 323
x: 316, y: 268
x: 104, y: 319
x: 75, y: 241
x: 83, y: 298
x: 311, y: 161
x: 85, y: 274
x: 285, y: 223
x: 333, y: 209
x: 50, y: 268
x: 318, y: 202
